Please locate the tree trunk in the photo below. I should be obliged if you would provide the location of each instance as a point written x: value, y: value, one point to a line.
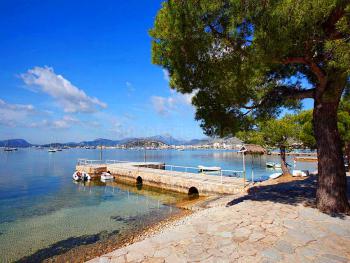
x: 332, y: 184
x: 284, y: 166
x: 347, y: 154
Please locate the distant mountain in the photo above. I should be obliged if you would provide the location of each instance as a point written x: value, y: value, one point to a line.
x: 167, y: 139
x: 126, y: 140
x: 227, y: 140
x: 198, y: 142
x: 141, y: 143
x: 97, y: 142
x: 100, y: 141
x: 18, y: 143
x: 60, y: 145
x: 161, y: 139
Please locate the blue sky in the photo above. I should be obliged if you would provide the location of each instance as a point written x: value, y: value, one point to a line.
x: 80, y: 70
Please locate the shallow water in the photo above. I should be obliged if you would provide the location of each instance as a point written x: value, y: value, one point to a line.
x: 43, y: 212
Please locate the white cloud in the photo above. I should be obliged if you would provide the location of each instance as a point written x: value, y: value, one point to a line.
x: 166, y: 105
x: 119, y: 129
x: 160, y: 104
x: 63, y: 123
x: 39, y: 124
x: 16, y: 107
x: 12, y: 115
x: 166, y: 75
x: 71, y: 98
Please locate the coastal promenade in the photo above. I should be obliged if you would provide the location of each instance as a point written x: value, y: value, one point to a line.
x: 272, y: 223
x: 154, y: 174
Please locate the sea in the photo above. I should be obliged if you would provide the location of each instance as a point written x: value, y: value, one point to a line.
x: 44, y: 213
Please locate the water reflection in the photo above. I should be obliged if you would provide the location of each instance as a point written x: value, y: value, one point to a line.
x: 40, y: 205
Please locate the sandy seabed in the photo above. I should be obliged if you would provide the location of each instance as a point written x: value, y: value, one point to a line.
x: 86, y: 252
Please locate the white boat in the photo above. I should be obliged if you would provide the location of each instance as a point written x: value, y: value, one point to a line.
x: 270, y: 164
x: 81, y: 176
x: 277, y: 166
x: 300, y: 173
x: 106, y: 176
x: 202, y: 168
x: 10, y: 149
x: 273, y: 165
x: 275, y: 175
x: 52, y: 150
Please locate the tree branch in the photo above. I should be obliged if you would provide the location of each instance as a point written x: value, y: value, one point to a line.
x: 329, y: 26
x: 321, y: 76
x: 221, y: 35
x: 298, y: 94
x: 282, y: 93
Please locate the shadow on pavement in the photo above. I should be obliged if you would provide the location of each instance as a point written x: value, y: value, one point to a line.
x: 292, y: 193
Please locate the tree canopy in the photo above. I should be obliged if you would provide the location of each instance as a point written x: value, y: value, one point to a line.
x: 239, y: 55
x: 248, y: 60
x: 275, y: 133
x: 306, y: 135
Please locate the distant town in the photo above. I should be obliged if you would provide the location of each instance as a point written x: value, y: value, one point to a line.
x: 149, y: 143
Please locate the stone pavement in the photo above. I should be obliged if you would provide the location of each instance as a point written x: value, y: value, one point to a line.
x: 249, y: 230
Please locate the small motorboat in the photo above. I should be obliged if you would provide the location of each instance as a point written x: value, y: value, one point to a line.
x: 277, y: 166
x: 105, y: 176
x: 52, y: 150
x: 202, y: 168
x: 300, y: 173
x: 273, y: 165
x: 275, y: 175
x: 270, y: 164
x: 81, y: 176
x: 9, y: 149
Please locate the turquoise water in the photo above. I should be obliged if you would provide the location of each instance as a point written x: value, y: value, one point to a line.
x: 41, y: 208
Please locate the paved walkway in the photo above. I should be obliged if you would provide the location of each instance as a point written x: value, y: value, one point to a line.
x: 264, y: 226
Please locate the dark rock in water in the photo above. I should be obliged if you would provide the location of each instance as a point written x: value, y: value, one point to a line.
x: 125, y: 220
x: 118, y: 218
x: 63, y: 246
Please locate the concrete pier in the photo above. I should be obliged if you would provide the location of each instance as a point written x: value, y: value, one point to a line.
x: 154, y: 174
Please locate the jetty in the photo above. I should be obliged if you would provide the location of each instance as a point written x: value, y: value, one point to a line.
x: 171, y: 177
x: 305, y: 159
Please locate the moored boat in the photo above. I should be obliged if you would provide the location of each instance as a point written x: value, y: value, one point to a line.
x: 301, y: 173
x: 202, y: 168
x: 81, y: 176
x: 273, y: 165
x: 10, y: 149
x: 270, y: 164
x: 106, y: 176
